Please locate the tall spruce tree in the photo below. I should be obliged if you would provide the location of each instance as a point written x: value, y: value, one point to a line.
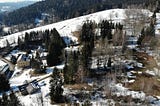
x: 55, y: 49
x: 152, y: 29
x: 46, y: 38
x: 106, y: 29
x: 26, y: 39
x: 141, y: 37
x: 4, y: 83
x: 56, y: 90
x: 9, y: 100
x: 71, y: 68
x: 14, y: 101
x: 7, y: 44
x: 20, y: 43
x: 87, y: 39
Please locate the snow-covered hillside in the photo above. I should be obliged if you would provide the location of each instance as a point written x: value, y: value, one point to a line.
x: 65, y: 28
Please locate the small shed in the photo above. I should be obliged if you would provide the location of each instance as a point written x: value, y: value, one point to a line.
x: 32, y: 87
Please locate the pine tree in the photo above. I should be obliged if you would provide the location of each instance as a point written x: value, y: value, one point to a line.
x: 55, y: 49
x: 4, y: 83
x: 5, y: 100
x: 152, y: 29
x: 14, y: 101
x: 46, y: 39
x: 26, y: 39
x: 85, y: 56
x: 106, y: 29
x: 20, y: 43
x: 7, y: 44
x: 9, y: 100
x: 35, y: 64
x: 141, y: 37
x: 109, y: 62
x: 56, y: 90
x: 71, y: 69
x: 87, y: 39
x: 55, y: 54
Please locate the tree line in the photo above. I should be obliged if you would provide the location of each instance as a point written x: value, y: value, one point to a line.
x: 77, y: 62
x: 7, y: 99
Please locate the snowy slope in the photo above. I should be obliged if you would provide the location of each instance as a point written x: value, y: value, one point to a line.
x: 65, y: 28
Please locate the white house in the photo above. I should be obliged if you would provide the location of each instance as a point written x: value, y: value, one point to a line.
x: 23, y: 61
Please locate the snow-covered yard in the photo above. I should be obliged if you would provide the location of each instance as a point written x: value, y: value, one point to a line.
x: 38, y: 98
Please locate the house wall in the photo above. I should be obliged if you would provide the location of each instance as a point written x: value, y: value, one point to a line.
x: 22, y: 64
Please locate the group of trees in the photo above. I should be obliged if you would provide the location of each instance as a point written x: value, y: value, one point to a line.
x: 71, y: 67
x: 56, y: 90
x: 37, y: 65
x: 7, y: 100
x: 55, y: 49
x: 31, y: 38
x: 52, y: 42
x: 147, y: 33
x: 106, y: 29
x: 87, y: 40
x: 78, y: 62
x: 4, y: 83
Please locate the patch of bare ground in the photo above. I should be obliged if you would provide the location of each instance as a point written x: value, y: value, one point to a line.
x: 76, y: 34
x: 33, y: 74
x: 83, y: 86
x: 146, y: 82
x: 146, y: 59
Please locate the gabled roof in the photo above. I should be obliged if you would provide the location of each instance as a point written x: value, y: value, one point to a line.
x: 23, y: 57
x: 2, y: 65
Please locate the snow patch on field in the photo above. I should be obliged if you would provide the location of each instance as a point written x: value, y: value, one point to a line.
x: 157, y: 27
